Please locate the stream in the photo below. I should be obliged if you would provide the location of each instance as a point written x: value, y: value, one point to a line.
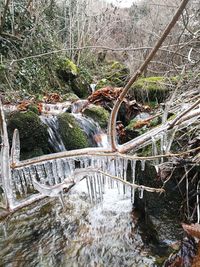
x: 96, y: 231
x: 81, y: 234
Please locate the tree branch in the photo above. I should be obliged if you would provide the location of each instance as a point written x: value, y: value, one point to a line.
x: 112, y: 124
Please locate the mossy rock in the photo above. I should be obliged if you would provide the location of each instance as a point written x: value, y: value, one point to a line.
x: 74, y: 78
x: 33, y: 133
x: 118, y: 74
x: 150, y: 89
x: 98, y: 114
x: 72, y: 135
x: 115, y: 74
x: 67, y: 69
x: 81, y: 87
x: 70, y: 97
x: 33, y: 108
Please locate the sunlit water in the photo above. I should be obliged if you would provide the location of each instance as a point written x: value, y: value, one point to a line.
x: 82, y: 234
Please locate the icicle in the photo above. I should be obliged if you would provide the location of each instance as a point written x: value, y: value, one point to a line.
x: 61, y: 200
x: 26, y: 175
x: 60, y: 171
x: 154, y: 149
x: 66, y: 167
x: 41, y: 174
x: 99, y: 182
x: 49, y: 172
x: 19, y: 184
x: 133, y: 168
x: 15, y: 149
x: 171, y: 139
x: 55, y: 172
x: 95, y: 188
x: 24, y: 181
x: 92, y: 189
x: 198, y: 209
x: 141, y: 193
x: 14, y: 177
x: 89, y: 189
x: 142, y: 165
x: 125, y: 168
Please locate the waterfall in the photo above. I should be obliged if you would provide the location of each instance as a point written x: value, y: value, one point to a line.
x: 55, y: 139
x: 92, y: 130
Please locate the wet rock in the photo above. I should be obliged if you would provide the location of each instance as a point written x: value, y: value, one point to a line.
x: 98, y: 114
x: 33, y: 133
x: 72, y: 135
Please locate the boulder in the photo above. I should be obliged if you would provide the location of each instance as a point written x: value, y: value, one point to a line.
x: 72, y: 135
x: 33, y: 133
x: 98, y: 114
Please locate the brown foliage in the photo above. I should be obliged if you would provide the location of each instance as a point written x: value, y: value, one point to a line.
x: 106, y: 94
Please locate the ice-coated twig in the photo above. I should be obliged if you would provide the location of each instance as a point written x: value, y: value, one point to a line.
x: 135, y: 186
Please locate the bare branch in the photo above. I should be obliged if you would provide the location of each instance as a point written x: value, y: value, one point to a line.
x: 112, y: 124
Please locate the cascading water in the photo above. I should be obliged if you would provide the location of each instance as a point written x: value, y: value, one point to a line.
x: 55, y: 139
x: 95, y: 228
x: 92, y: 130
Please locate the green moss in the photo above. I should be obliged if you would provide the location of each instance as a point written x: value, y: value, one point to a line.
x: 72, y: 135
x: 33, y: 108
x: 98, y: 114
x: 113, y: 73
x: 118, y: 74
x: 70, y: 97
x: 73, y: 68
x: 36, y: 152
x: 33, y: 133
x: 80, y: 87
x: 151, y: 89
x: 102, y: 83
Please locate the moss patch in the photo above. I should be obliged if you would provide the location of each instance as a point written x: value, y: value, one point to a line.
x: 33, y: 133
x: 70, y: 97
x: 72, y: 135
x: 98, y: 114
x: 151, y: 89
x: 73, y: 77
x: 114, y: 74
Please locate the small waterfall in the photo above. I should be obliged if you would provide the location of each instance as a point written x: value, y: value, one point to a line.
x: 55, y: 109
x: 55, y: 139
x: 92, y: 130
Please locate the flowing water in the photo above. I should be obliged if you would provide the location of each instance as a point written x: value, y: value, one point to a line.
x: 55, y: 139
x: 81, y: 234
x: 96, y: 227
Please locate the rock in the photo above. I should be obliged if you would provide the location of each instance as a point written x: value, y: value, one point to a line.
x: 69, y: 73
x: 70, y: 97
x: 33, y: 133
x: 115, y: 74
x: 81, y: 87
x: 72, y: 135
x: 151, y: 89
x: 98, y: 114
